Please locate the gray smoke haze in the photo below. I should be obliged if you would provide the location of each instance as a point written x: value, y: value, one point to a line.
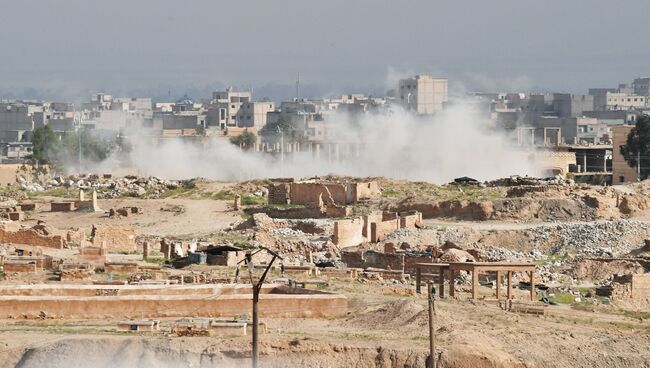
x: 396, y: 145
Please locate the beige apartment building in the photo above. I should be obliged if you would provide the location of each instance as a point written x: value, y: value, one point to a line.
x: 622, y: 172
x: 423, y: 94
x: 624, y: 101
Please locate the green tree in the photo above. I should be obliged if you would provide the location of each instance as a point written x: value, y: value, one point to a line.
x: 293, y: 130
x: 638, y: 146
x: 45, y: 145
x: 49, y: 149
x: 245, y: 140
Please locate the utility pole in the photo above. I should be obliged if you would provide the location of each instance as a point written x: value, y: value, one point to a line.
x: 638, y: 166
x: 431, y: 295
x: 257, y: 287
x: 79, y: 134
x: 281, y: 150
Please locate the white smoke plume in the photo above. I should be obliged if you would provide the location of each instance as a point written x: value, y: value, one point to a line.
x: 398, y: 145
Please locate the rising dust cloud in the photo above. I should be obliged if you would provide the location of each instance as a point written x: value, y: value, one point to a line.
x: 397, y: 145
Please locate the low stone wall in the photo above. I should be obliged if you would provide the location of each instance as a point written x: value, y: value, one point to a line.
x: 371, y: 259
x: 62, y: 206
x: 641, y: 286
x: 19, y: 266
x: 31, y: 237
x: 288, y: 213
x: 114, y: 238
x: 122, y: 267
x: 275, y: 303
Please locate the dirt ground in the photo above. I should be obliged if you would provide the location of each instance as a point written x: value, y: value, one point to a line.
x: 383, y: 328
x: 162, y: 217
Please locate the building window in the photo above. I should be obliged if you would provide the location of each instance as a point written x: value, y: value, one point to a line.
x: 233, y: 117
x: 621, y: 179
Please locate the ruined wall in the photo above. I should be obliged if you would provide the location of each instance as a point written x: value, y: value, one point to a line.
x: 315, y: 194
x: 339, y: 193
x: 19, y: 266
x: 31, y: 237
x: 410, y: 261
x: 348, y: 232
x: 338, y: 211
x: 279, y: 193
x: 385, y: 261
x: 288, y: 213
x: 409, y: 220
x: 641, y: 286
x: 373, y: 259
x: 114, y: 238
x: 307, y: 194
x: 379, y: 230
x: 369, y: 219
x: 364, y: 191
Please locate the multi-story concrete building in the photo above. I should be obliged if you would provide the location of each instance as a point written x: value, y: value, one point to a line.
x: 641, y: 86
x: 423, y: 94
x: 253, y: 114
x: 600, y: 97
x: 624, y: 101
x: 566, y: 105
x: 104, y: 112
x: 222, y: 112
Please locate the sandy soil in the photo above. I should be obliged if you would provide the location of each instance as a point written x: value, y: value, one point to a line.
x: 159, y: 218
x: 381, y: 320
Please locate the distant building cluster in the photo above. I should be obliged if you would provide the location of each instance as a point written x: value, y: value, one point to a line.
x: 574, y: 133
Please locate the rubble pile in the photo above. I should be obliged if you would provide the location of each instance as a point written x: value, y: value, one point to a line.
x: 106, y: 186
x: 516, y: 180
x: 591, y: 239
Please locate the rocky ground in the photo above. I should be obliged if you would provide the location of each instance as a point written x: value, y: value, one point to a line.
x: 558, y: 224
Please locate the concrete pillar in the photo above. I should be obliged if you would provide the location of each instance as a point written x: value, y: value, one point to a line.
x: 317, y: 151
x: 337, y: 157
x: 452, y: 282
x: 544, y: 136
x: 558, y: 136
x: 509, y: 292
x: 532, y: 285
x: 441, y: 282
x: 145, y: 250
x: 584, y: 161
x: 237, y: 204
x: 498, y: 285
x: 95, y: 205
x: 474, y: 284
x: 532, y: 137
x: 82, y: 195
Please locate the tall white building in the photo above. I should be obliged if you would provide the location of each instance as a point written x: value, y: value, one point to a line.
x: 423, y: 94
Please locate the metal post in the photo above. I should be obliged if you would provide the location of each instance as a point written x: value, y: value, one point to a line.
x: 256, y: 297
x: 432, y: 327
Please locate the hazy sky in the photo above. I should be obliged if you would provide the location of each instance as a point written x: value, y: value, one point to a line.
x: 163, y: 46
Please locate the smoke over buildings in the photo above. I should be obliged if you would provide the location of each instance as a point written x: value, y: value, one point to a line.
x: 394, y: 144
